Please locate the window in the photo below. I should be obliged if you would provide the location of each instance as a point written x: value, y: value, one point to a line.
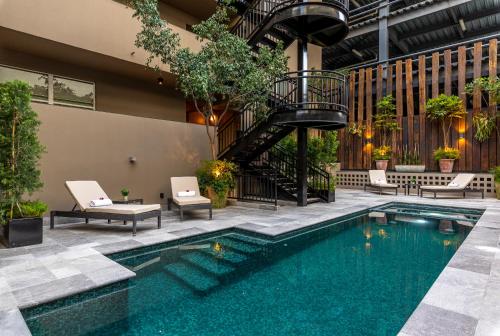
x: 73, y: 93
x: 39, y: 82
x: 53, y: 89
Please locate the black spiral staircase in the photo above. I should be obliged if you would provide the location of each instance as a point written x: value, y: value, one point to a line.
x: 299, y: 100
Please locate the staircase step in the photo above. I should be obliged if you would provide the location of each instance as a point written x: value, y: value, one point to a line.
x: 227, y: 255
x: 191, y: 277
x: 208, y: 263
x: 237, y: 245
x: 248, y: 239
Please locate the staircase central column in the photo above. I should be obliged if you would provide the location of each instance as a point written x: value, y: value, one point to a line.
x: 302, y: 131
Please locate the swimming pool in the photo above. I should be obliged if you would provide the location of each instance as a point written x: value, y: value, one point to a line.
x: 363, y: 275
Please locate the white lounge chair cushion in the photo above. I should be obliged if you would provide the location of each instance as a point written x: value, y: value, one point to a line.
x: 183, y: 183
x: 191, y: 200
x: 126, y: 209
x: 101, y: 202
x: 377, y: 178
x: 187, y: 193
x: 460, y: 182
x: 84, y: 192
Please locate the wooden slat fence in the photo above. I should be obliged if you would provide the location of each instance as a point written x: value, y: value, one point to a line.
x: 411, y: 82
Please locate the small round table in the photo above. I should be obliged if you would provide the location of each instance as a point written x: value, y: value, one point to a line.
x: 409, y: 186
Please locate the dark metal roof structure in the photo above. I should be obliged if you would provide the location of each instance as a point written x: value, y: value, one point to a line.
x: 414, y: 25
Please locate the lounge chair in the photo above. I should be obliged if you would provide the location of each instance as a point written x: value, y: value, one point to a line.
x: 378, y: 181
x: 193, y: 200
x: 460, y: 184
x: 84, y: 192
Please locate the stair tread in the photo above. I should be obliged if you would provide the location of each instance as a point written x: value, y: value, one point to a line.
x: 208, y: 263
x: 237, y: 245
x: 248, y: 239
x: 226, y: 255
x: 191, y: 276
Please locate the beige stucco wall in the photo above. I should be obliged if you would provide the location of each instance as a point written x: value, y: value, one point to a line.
x: 114, y: 93
x: 101, y: 26
x: 92, y: 145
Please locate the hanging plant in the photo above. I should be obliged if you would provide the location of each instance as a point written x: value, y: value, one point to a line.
x: 484, y: 122
x: 484, y: 125
x: 356, y: 129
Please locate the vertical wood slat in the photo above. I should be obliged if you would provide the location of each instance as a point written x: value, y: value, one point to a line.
x: 447, y: 90
x: 380, y: 74
x: 398, y: 139
x: 435, y: 92
x: 361, y: 106
x: 388, y: 89
x: 352, y: 87
x: 476, y: 105
x: 465, y: 162
x: 422, y: 91
x: 409, y: 102
x: 369, y: 112
x: 492, y: 108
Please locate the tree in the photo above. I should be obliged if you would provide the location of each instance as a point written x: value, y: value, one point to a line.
x: 225, y: 71
x: 20, y: 149
x: 444, y: 109
x: 385, y: 119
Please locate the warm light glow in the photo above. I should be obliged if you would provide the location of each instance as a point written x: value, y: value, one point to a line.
x: 213, y: 118
x: 217, y: 247
x: 216, y: 172
x: 368, y: 135
x: 368, y: 245
x: 368, y: 147
x: 382, y: 233
x: 446, y: 242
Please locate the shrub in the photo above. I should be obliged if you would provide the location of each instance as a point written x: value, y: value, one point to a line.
x: 496, y: 173
x: 20, y: 149
x: 216, y: 174
x: 444, y: 109
x: 446, y: 153
x: 385, y: 118
x: 382, y: 153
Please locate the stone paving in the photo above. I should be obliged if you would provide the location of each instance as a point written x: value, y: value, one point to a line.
x: 464, y: 300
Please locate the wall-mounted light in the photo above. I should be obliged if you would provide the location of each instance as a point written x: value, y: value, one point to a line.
x: 160, y: 80
x: 462, y: 25
x: 132, y: 159
x: 461, y: 135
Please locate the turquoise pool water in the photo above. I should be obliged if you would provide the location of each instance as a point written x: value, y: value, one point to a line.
x: 361, y: 276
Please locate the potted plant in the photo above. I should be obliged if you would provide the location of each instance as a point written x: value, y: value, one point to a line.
x: 446, y: 157
x: 410, y: 161
x: 496, y: 174
x: 381, y: 155
x: 386, y: 123
x: 20, y: 151
x: 356, y: 129
x: 216, y: 179
x: 125, y: 193
x: 444, y: 109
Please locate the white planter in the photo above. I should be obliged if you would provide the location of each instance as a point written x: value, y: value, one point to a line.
x: 410, y: 168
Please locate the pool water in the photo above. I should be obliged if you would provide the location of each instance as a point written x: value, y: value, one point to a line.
x: 361, y: 276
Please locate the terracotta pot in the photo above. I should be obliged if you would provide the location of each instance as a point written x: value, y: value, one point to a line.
x: 446, y: 165
x: 381, y: 164
x: 217, y: 201
x: 497, y: 189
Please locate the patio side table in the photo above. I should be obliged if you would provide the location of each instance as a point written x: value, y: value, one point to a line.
x: 409, y: 186
x: 130, y: 201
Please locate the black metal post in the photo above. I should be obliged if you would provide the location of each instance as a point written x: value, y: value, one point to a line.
x: 301, y: 131
x: 383, y: 32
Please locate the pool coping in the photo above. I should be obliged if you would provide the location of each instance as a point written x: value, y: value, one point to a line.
x: 13, y: 323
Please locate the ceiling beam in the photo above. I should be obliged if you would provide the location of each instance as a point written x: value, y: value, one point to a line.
x: 408, y: 14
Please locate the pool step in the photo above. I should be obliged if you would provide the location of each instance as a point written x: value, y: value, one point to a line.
x: 237, y: 245
x: 248, y: 240
x: 198, y: 281
x: 207, y: 263
x: 229, y: 256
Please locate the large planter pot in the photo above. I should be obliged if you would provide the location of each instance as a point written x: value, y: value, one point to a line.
x: 381, y: 164
x: 23, y: 232
x: 410, y: 168
x: 217, y: 201
x: 446, y: 165
x: 497, y: 189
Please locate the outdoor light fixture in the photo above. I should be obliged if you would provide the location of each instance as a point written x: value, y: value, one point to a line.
x: 160, y: 80
x: 462, y: 25
x: 357, y: 53
x: 132, y: 159
x: 461, y: 135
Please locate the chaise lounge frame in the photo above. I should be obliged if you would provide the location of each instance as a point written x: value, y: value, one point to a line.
x: 463, y: 191
x: 182, y: 208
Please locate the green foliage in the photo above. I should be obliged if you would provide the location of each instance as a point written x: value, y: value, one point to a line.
x: 224, y: 71
x: 31, y: 209
x: 410, y: 156
x: 484, y: 126
x: 216, y: 174
x: 356, y: 129
x: 496, y: 173
x: 321, y: 151
x: 20, y: 149
x: 382, y: 153
x: 385, y: 118
x: 446, y: 153
x: 444, y: 109
x: 487, y: 85
x: 124, y: 192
